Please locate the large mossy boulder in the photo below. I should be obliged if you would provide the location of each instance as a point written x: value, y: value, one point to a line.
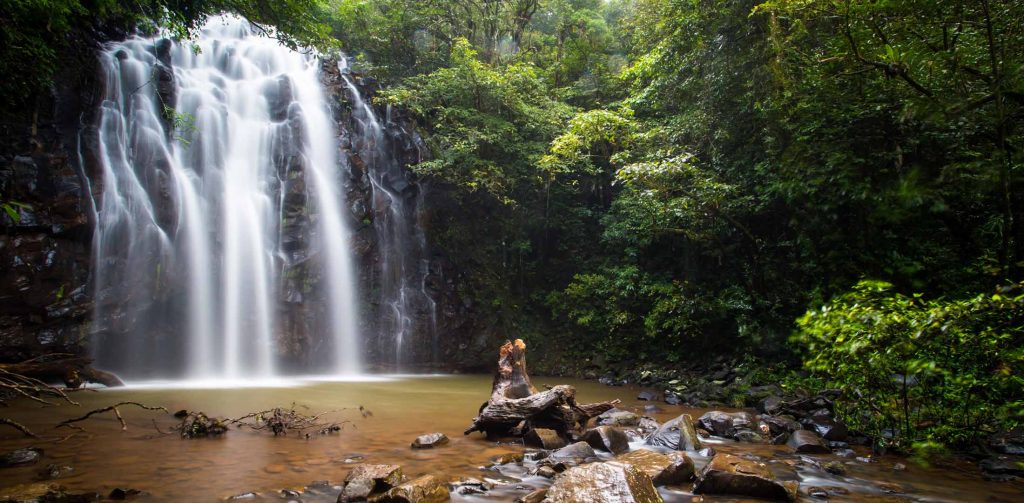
x: 604, y: 482
x: 728, y: 474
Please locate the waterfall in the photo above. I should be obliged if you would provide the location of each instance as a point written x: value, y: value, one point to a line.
x: 220, y: 182
x: 405, y: 306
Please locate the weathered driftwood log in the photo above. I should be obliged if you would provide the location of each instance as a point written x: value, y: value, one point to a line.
x: 72, y: 370
x: 516, y: 406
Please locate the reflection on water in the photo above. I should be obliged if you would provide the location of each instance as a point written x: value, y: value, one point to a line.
x: 403, y: 407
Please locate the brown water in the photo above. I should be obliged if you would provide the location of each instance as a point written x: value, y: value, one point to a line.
x: 172, y: 469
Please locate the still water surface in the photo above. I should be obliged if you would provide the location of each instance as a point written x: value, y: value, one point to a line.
x: 169, y: 468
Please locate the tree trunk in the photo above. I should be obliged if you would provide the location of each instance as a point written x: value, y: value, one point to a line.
x: 516, y: 406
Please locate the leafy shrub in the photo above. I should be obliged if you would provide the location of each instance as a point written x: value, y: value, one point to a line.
x: 917, y: 370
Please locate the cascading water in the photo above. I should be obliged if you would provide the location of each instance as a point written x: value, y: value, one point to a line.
x: 212, y: 154
x: 405, y: 307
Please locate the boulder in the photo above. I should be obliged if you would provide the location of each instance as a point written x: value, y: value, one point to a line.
x: 604, y: 482
x: 647, y: 396
x: 574, y: 454
x: 422, y: 489
x: 544, y: 438
x: 778, y: 425
x: 677, y: 434
x: 664, y: 469
x: 618, y: 417
x: 749, y: 436
x: 429, y: 441
x: 608, y: 439
x: 672, y: 398
x: 20, y: 457
x: 728, y: 474
x: 365, y: 480
x: 807, y: 442
x: 828, y: 428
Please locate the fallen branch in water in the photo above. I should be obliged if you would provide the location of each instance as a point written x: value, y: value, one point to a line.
x: 280, y: 421
x: 18, y: 426
x: 124, y: 426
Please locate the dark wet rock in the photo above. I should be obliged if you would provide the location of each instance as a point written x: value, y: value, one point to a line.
x: 707, y: 452
x: 647, y: 426
x: 725, y: 424
x: 573, y: 454
x: 778, y: 425
x: 817, y: 492
x: 470, y: 486
x: 647, y: 396
x: 544, y: 438
x: 807, y: 442
x: 834, y: 444
x: 121, y: 494
x: 1003, y: 465
x: 604, y: 482
x: 429, y: 441
x: 536, y: 455
x: 618, y: 417
x: 749, y: 436
x: 364, y: 480
x: 676, y: 434
x: 422, y: 489
x: 828, y: 428
x: 845, y: 453
x: 770, y: 405
x: 727, y: 474
x: 20, y: 457
x: 1008, y: 442
x: 890, y: 488
x: 664, y: 469
x: 835, y: 468
x: 288, y: 493
x: 672, y: 398
x: 608, y: 439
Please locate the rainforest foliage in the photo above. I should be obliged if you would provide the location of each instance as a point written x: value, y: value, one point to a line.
x: 648, y: 181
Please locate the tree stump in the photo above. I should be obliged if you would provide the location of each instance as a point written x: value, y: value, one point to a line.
x: 516, y: 406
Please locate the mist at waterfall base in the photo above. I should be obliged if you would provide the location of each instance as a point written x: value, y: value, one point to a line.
x: 213, y: 154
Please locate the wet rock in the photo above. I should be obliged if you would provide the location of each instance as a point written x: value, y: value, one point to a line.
x: 748, y: 436
x: 817, y: 492
x: 835, y: 468
x: 778, y: 425
x: 651, y: 408
x: 364, y: 480
x: 604, y: 482
x: 845, y: 453
x: 544, y: 438
x: 664, y: 469
x: 890, y: 488
x: 677, y: 434
x: 672, y: 398
x: 121, y: 494
x: 573, y: 454
x: 288, y: 493
x: 423, y: 489
x: 54, y: 471
x: 828, y: 428
x: 534, y: 497
x: 42, y: 492
x: 618, y: 417
x: 899, y: 467
x: 647, y: 396
x: 770, y: 405
x: 507, y: 459
x: 608, y: 439
x: 546, y: 472
x: 1008, y: 442
x: 429, y: 441
x: 20, y: 457
x: 244, y: 496
x: 807, y: 442
x: 470, y: 486
x: 727, y: 474
x: 647, y: 426
x: 1003, y: 465
x: 725, y: 424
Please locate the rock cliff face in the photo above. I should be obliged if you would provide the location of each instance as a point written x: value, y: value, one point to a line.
x: 412, y: 317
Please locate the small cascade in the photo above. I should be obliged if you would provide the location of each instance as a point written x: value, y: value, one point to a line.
x: 407, y: 313
x: 215, y: 155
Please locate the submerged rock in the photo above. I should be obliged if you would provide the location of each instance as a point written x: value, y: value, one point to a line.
x: 606, y: 438
x: 677, y: 434
x: 664, y: 469
x: 647, y: 396
x: 604, y: 482
x: 422, y: 489
x: 728, y: 474
x: 807, y: 442
x: 20, y: 457
x: 544, y: 438
x: 429, y: 441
